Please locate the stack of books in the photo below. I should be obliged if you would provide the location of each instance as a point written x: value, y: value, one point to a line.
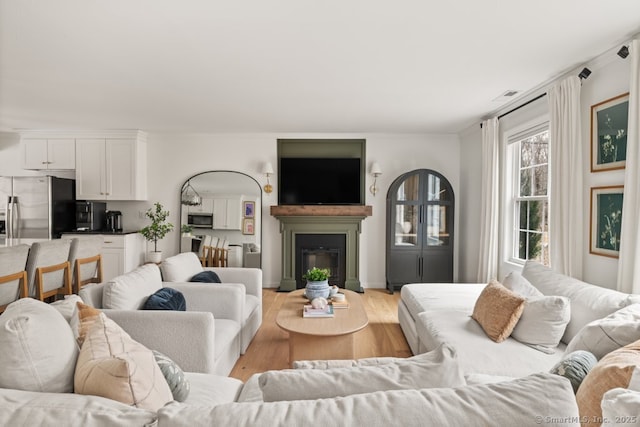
x: 340, y: 304
x: 309, y: 311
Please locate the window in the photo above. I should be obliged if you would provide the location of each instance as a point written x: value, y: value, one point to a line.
x: 530, y: 195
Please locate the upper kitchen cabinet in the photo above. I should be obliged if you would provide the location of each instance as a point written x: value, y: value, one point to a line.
x: 227, y: 212
x: 42, y: 153
x: 112, y: 167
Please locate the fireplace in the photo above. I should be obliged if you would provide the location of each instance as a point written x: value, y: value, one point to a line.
x: 299, y: 223
x: 322, y: 251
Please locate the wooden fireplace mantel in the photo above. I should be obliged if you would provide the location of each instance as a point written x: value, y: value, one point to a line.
x: 320, y: 210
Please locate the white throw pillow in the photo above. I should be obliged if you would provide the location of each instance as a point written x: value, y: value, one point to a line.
x: 131, y: 290
x: 521, y: 286
x: 438, y: 368
x: 543, y: 321
x: 67, y: 306
x: 37, y: 349
x: 602, y: 336
x: 621, y: 407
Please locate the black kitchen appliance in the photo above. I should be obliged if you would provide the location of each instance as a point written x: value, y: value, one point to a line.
x: 90, y: 216
x: 114, y: 221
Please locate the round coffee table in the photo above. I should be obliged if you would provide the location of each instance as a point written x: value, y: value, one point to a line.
x: 321, y: 338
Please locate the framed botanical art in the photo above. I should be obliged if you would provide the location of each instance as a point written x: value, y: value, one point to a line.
x: 249, y: 209
x: 606, y: 219
x: 609, y: 123
x: 248, y: 226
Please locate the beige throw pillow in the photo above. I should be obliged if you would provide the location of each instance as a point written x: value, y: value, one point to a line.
x: 498, y: 310
x: 112, y: 365
x: 618, y: 369
x: 438, y: 368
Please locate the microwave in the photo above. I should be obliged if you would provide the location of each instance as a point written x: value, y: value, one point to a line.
x: 200, y: 220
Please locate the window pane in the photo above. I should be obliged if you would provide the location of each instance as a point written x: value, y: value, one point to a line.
x: 435, y: 191
x: 522, y: 207
x: 522, y: 245
x: 406, y: 225
x: 408, y: 190
x: 525, y: 182
x: 437, y: 229
x: 539, y: 186
x: 534, y: 150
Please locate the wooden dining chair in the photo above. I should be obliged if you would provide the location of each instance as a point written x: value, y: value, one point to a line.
x: 13, y: 276
x: 85, y: 257
x: 203, y: 251
x: 49, y: 269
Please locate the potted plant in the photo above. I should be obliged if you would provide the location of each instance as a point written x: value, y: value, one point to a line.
x: 186, y: 230
x: 317, y: 283
x: 157, y: 230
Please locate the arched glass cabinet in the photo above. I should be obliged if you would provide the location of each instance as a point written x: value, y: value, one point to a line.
x: 420, y: 207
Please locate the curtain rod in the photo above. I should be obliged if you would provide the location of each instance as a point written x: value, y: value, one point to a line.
x: 520, y: 106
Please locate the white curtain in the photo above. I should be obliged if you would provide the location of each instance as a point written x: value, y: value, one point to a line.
x: 565, y: 178
x: 489, y: 210
x: 629, y: 262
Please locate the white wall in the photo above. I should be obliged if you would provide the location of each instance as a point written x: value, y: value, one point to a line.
x: 172, y: 158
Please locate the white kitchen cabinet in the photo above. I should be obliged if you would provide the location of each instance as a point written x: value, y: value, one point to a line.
x: 227, y: 213
x: 121, y: 253
x: 205, y: 207
x: 48, y: 153
x: 111, y: 168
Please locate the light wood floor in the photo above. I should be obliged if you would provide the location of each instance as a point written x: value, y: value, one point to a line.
x: 270, y: 348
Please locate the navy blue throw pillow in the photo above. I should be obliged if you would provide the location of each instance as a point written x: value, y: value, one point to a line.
x: 166, y: 299
x: 207, y: 276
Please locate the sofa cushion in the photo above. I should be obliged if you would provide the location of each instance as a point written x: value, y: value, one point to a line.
x: 620, y: 407
x: 521, y: 286
x: 131, y: 290
x: 511, y: 403
x: 588, y: 302
x: 618, y: 369
x: 419, y: 297
x: 498, y: 310
x: 113, y: 365
x: 438, y: 368
x: 543, y: 321
x: 210, y: 390
x: 575, y: 366
x: 37, y: 349
x: 27, y: 408
x: 602, y: 336
x: 207, y: 276
x: 166, y: 299
x: 175, y: 377
x: 181, y: 267
x: 476, y: 353
x: 67, y: 306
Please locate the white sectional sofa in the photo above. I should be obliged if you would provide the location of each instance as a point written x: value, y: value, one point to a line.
x: 215, y: 400
x: 431, y: 314
x: 223, y: 304
x: 182, y: 267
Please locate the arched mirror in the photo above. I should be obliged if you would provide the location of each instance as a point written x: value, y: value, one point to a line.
x: 222, y: 212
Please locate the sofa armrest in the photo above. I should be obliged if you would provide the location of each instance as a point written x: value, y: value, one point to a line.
x: 223, y: 300
x: 251, y: 278
x: 188, y: 338
x: 91, y: 294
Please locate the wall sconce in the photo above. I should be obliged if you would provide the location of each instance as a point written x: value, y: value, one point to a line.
x: 267, y: 170
x: 375, y: 172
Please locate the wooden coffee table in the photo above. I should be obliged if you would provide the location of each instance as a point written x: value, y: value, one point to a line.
x: 323, y: 338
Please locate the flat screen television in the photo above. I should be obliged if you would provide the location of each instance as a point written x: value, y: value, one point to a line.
x: 319, y: 181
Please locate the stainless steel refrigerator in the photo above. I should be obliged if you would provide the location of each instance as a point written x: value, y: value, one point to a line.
x: 36, y: 207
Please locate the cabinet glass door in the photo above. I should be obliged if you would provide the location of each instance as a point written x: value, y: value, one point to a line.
x: 437, y: 227
x: 406, y: 225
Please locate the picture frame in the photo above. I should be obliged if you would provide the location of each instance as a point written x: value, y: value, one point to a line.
x: 248, y: 226
x: 249, y: 209
x: 609, y: 126
x: 606, y: 220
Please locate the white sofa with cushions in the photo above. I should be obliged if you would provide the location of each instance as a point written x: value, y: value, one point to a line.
x: 182, y: 267
x: 431, y: 314
x: 425, y: 390
x: 223, y: 303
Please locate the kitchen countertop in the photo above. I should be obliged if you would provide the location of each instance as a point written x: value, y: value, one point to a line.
x: 112, y: 233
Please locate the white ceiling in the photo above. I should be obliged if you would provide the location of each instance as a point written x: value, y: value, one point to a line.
x: 288, y: 65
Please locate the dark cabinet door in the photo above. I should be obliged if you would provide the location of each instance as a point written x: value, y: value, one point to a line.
x: 420, y: 213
